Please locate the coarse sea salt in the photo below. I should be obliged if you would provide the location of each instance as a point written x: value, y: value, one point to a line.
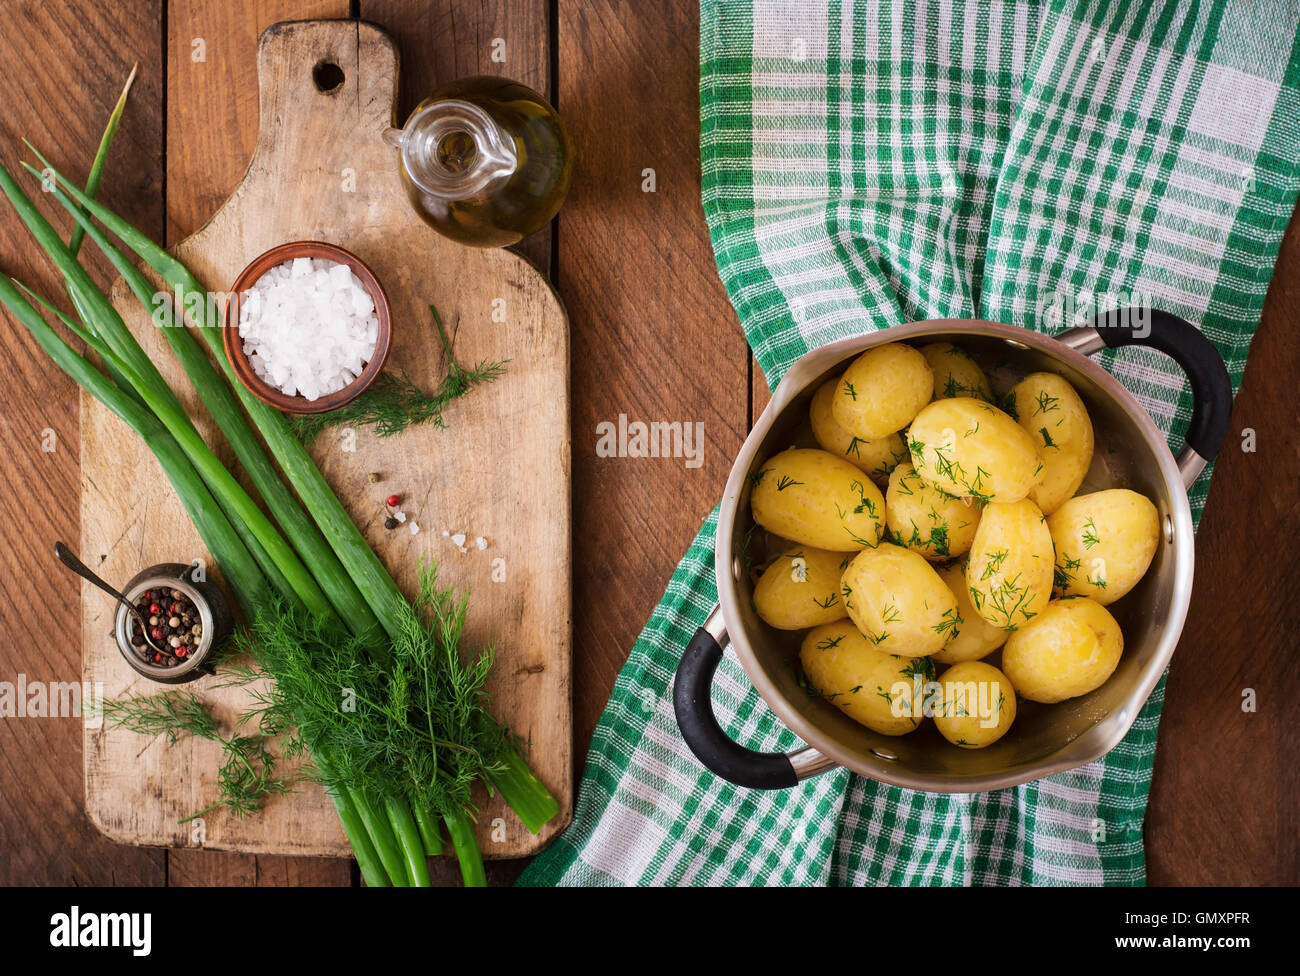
x: 308, y: 327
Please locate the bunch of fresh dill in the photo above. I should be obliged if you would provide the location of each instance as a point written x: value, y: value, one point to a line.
x: 413, y: 725
x: 393, y: 402
x: 247, y: 775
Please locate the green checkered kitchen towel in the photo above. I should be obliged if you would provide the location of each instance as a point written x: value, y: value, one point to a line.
x: 867, y: 164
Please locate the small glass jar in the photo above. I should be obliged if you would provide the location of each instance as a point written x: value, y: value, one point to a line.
x: 215, y: 620
x: 485, y: 161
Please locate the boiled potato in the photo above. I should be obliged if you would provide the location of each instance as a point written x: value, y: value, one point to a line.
x: 871, y: 687
x: 1066, y: 651
x: 877, y: 458
x: 979, y: 705
x: 882, y: 390
x: 968, y: 447
x: 1104, y: 543
x: 899, y: 602
x: 955, y: 373
x: 801, y: 588
x: 927, y: 520
x: 975, y: 637
x: 816, y: 499
x: 1047, y: 406
x: 1009, y: 573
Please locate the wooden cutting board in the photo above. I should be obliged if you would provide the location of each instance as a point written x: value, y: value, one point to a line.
x: 500, y: 471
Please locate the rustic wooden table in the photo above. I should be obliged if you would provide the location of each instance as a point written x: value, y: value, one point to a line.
x: 653, y: 336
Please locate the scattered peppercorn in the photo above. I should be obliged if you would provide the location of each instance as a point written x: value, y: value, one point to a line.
x: 390, y: 523
x: 373, y: 477
x: 393, y: 500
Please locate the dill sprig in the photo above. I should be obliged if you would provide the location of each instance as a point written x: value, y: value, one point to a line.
x: 173, y: 715
x: 247, y: 775
x: 394, y: 402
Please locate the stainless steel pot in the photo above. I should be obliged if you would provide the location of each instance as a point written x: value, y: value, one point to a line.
x: 1130, y: 452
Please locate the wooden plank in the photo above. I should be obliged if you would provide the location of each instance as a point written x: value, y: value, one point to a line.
x: 1222, y: 772
x: 653, y: 335
x: 499, y: 471
x: 441, y: 42
x: 212, y: 98
x: 212, y: 123
x: 196, y: 868
x: 64, y: 66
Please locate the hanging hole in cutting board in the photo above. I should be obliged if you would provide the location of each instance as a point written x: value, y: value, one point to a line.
x: 328, y: 76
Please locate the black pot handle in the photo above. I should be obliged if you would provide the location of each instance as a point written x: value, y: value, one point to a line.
x: 1195, y: 354
x: 705, y: 737
x: 1189, y: 347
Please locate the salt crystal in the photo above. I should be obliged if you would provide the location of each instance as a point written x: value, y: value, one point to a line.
x: 340, y: 276
x: 415, y: 528
x: 481, y: 542
x: 400, y: 516
x: 459, y: 540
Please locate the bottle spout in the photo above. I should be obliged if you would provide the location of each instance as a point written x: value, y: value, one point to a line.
x: 499, y: 158
x: 453, y: 149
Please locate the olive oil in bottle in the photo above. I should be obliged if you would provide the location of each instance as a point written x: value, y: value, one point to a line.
x: 485, y: 161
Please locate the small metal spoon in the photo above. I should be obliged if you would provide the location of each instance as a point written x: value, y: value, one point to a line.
x: 65, y: 556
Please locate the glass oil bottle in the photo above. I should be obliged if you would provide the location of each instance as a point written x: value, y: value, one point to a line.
x: 485, y: 161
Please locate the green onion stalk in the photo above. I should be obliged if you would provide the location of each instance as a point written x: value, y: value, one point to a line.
x: 101, y: 156
x: 224, y: 407
x: 329, y: 570
x: 282, y: 564
x: 214, y: 528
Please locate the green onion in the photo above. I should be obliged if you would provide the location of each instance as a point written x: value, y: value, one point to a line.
x: 467, y: 852
x: 101, y: 156
x: 241, y: 572
x: 283, y: 565
x: 216, y: 394
x: 376, y: 586
x: 248, y: 582
x: 124, y: 374
x: 372, y: 869
x: 531, y: 801
x: 399, y: 816
x: 93, y: 307
x: 382, y: 835
x: 428, y: 826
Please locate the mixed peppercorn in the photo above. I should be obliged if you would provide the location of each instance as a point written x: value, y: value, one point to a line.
x: 173, y: 625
